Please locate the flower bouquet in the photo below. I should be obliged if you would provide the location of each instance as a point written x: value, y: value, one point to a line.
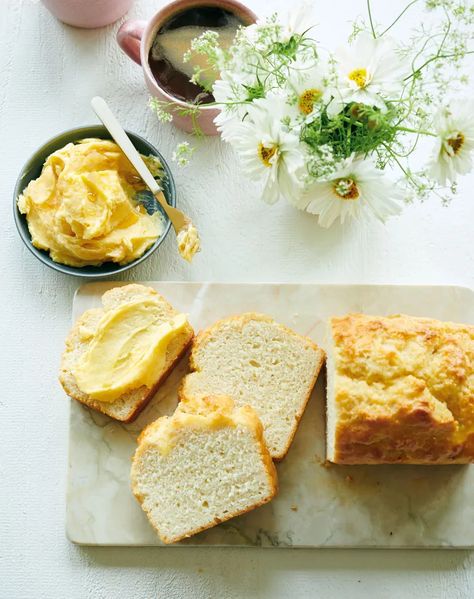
x: 322, y: 128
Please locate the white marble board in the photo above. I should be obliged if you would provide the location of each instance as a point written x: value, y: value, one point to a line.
x: 317, y: 506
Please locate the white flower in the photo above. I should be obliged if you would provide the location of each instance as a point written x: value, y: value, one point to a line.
x: 369, y: 72
x: 226, y: 92
x: 274, y: 28
x: 306, y: 83
x: 356, y: 187
x: 454, y: 125
x: 182, y: 153
x: 268, y: 151
x: 298, y: 21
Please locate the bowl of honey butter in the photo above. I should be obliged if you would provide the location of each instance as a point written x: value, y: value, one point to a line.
x: 82, y: 209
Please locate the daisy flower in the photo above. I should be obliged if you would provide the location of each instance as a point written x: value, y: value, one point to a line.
x: 269, y: 151
x: 306, y: 83
x: 454, y: 125
x: 354, y: 188
x: 368, y: 72
x: 225, y: 93
x: 298, y: 21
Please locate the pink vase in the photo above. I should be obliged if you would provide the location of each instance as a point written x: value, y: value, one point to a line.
x: 136, y: 37
x: 88, y: 13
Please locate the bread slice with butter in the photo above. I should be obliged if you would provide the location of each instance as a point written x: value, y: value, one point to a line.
x: 256, y: 361
x: 203, y: 465
x: 86, y: 373
x: 400, y: 391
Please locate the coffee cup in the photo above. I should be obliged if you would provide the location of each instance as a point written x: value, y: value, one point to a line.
x: 136, y: 39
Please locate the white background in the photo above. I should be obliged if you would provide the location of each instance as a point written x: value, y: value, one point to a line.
x: 48, y: 73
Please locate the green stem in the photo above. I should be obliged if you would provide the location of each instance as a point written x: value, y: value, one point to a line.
x: 374, y: 35
x: 427, y: 62
x: 402, y: 168
x: 418, y: 131
x: 399, y: 17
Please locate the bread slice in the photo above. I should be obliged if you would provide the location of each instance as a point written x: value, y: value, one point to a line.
x: 127, y: 407
x: 400, y: 389
x: 258, y: 362
x: 205, y: 464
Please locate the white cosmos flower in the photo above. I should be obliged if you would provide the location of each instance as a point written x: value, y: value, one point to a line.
x: 452, y: 154
x: 268, y: 151
x: 299, y: 20
x: 226, y: 91
x: 355, y: 188
x: 368, y: 72
x: 307, y: 83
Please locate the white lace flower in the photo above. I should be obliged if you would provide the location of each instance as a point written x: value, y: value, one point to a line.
x: 452, y: 154
x: 355, y: 188
x: 268, y: 151
x: 368, y: 72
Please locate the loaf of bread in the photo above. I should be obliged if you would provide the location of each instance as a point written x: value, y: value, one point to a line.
x: 126, y: 407
x: 400, y: 390
x: 258, y: 362
x: 206, y: 463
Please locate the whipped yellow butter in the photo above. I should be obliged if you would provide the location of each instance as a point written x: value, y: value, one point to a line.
x: 127, y: 350
x: 188, y: 242
x: 81, y: 208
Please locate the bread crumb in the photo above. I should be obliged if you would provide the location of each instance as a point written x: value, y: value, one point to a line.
x: 200, y: 570
x: 294, y: 508
x: 349, y: 479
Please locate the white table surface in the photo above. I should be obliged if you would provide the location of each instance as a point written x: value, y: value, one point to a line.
x: 48, y: 73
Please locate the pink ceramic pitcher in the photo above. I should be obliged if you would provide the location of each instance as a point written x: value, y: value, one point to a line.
x: 88, y: 13
x: 136, y: 37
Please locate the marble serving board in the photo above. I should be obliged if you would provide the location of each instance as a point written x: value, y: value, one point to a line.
x: 318, y: 505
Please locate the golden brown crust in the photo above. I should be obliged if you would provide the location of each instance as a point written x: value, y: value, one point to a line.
x: 404, y: 390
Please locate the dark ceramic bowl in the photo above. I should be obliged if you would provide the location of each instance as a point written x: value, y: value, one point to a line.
x: 32, y: 170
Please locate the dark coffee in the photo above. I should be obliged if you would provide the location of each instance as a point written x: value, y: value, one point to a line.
x: 174, y: 38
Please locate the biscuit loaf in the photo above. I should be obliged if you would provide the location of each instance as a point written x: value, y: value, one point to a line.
x: 255, y: 360
x: 127, y: 406
x: 201, y: 466
x: 400, y: 390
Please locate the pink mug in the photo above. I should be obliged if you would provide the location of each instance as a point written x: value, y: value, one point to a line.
x: 88, y: 13
x: 136, y: 37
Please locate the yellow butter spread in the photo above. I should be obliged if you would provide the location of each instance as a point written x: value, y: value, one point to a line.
x: 188, y: 242
x: 82, y: 210
x: 127, y: 350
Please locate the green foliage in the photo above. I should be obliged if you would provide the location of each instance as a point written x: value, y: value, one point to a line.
x: 358, y: 129
x: 255, y: 91
x: 287, y: 49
